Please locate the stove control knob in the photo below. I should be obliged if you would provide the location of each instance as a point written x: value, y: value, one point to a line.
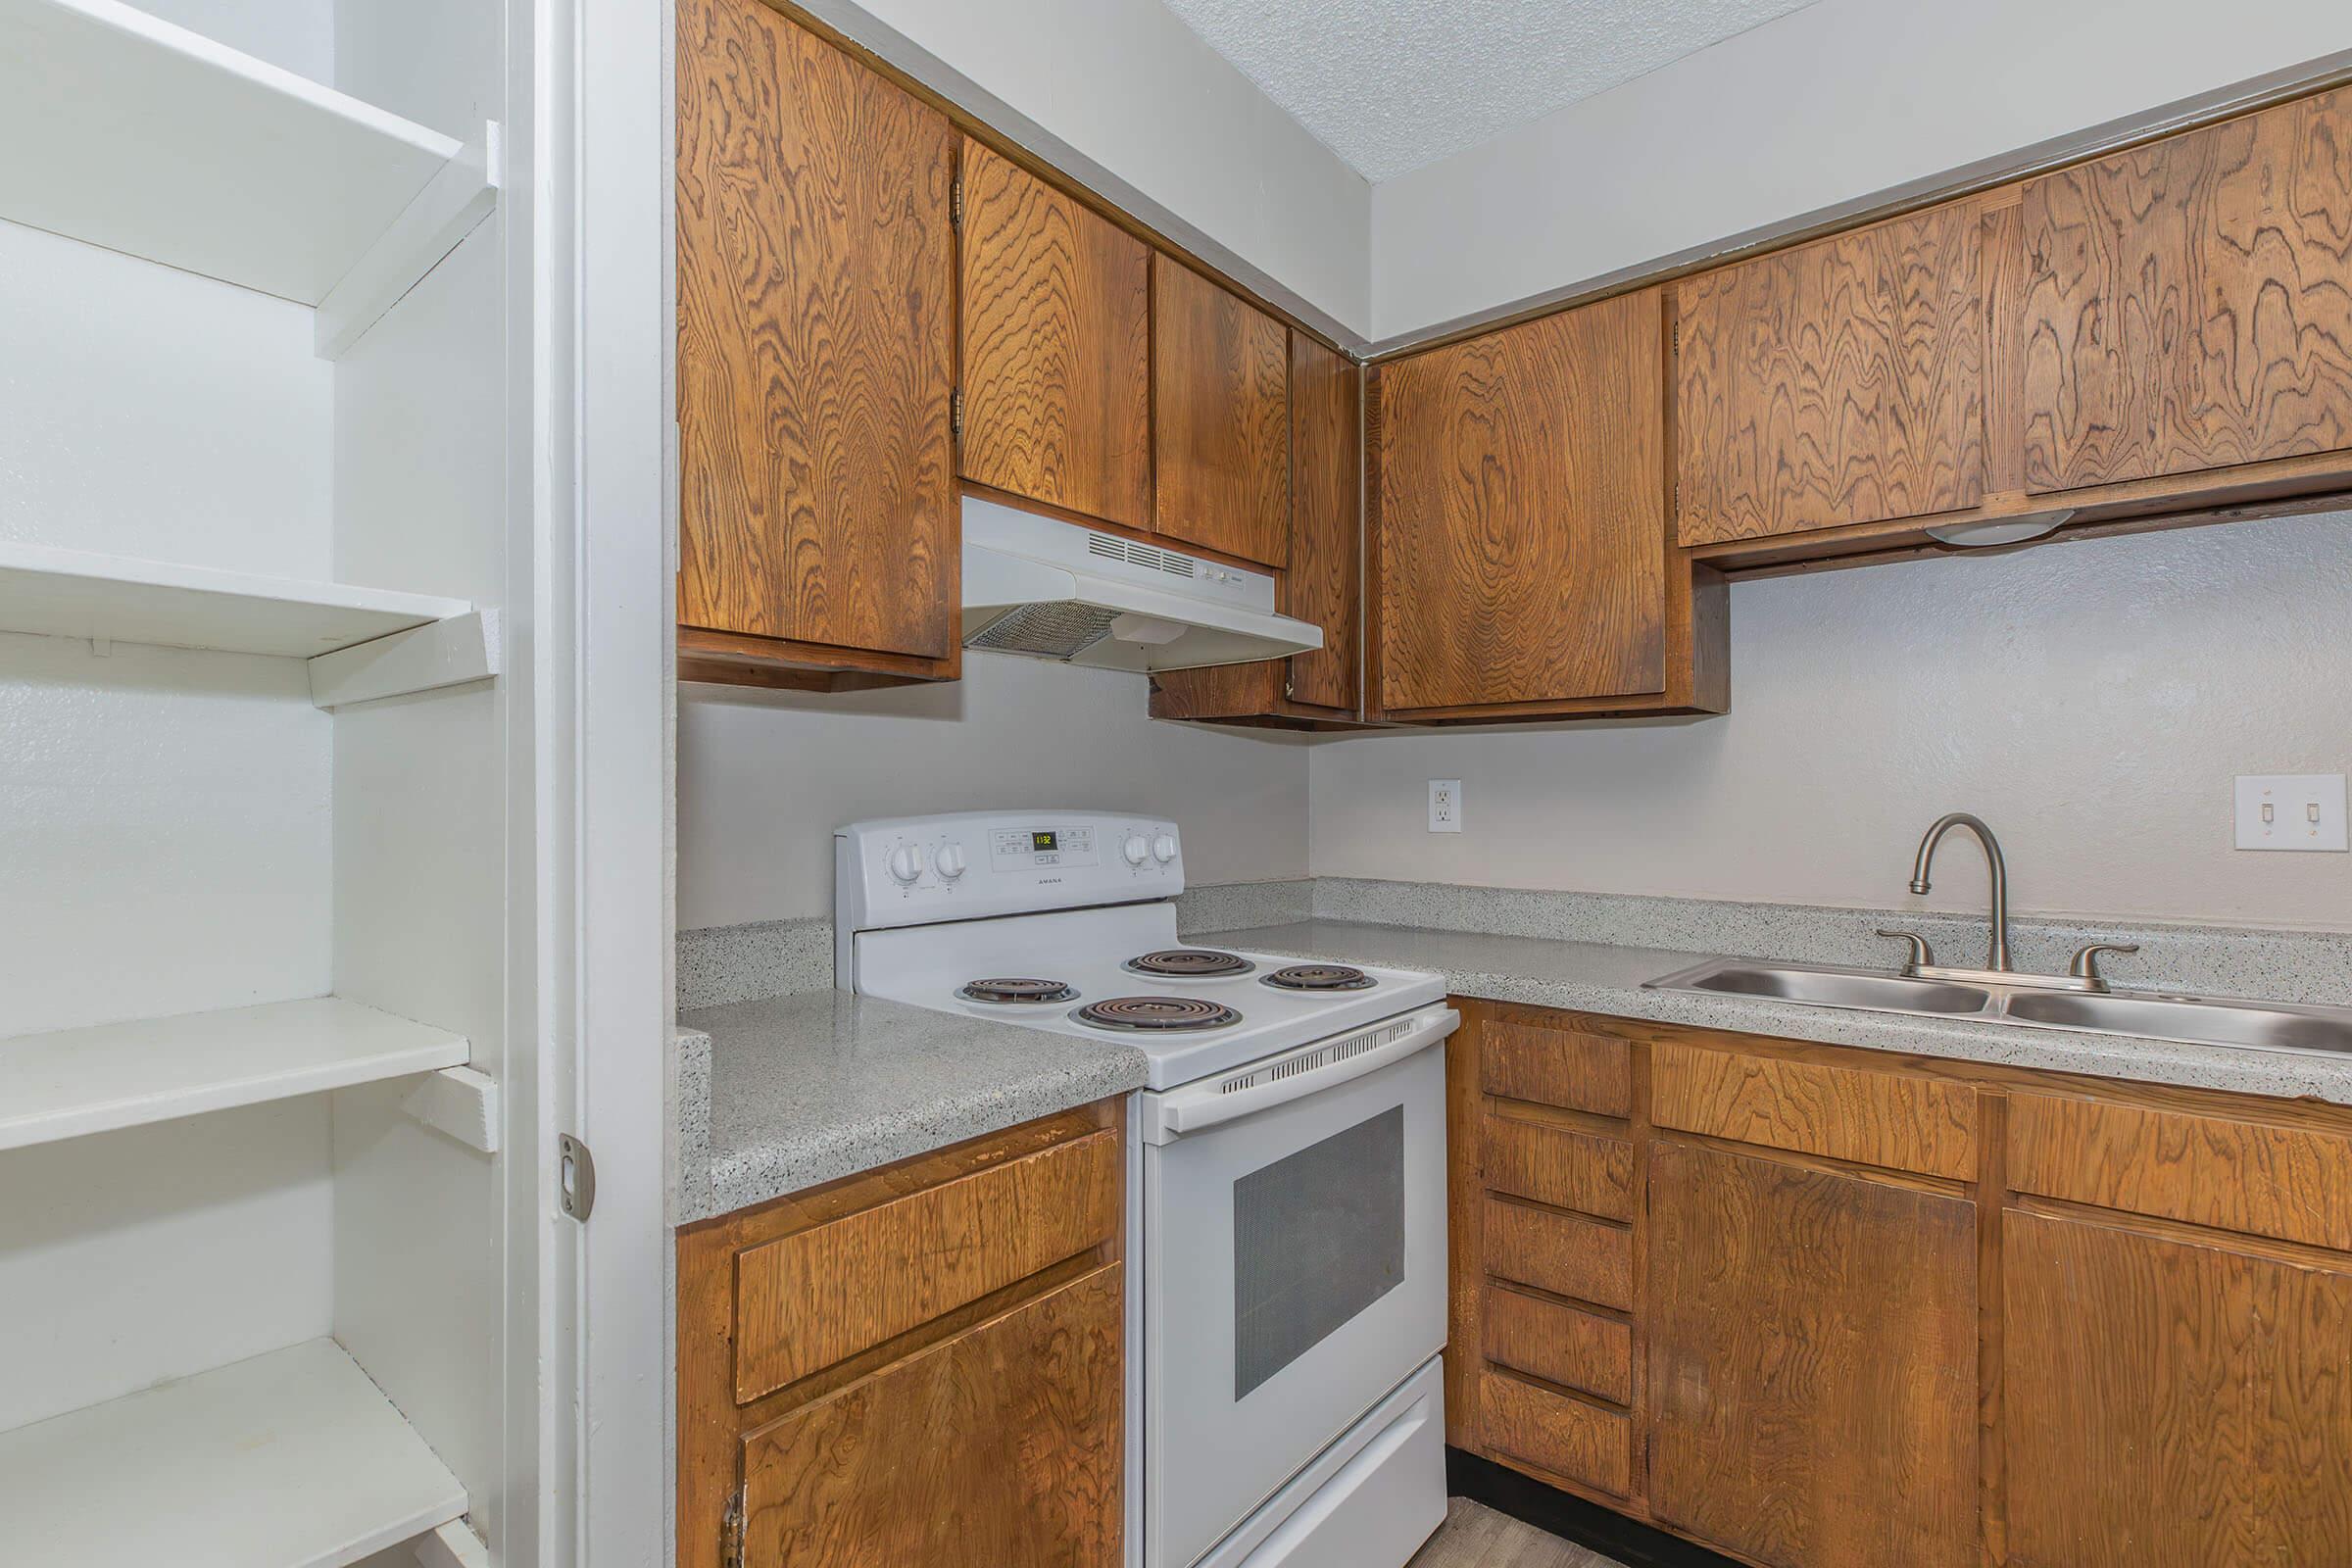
x: 1163, y: 847
x: 1137, y: 849
x: 906, y: 863
x: 949, y: 863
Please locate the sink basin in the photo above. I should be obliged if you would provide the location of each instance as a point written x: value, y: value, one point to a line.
x: 1829, y: 988
x: 2266, y: 1026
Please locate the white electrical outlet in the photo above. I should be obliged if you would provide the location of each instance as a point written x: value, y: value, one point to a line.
x: 1445, y: 805
x: 2291, y: 811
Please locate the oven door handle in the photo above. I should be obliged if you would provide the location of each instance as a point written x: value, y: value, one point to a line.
x: 1193, y: 1110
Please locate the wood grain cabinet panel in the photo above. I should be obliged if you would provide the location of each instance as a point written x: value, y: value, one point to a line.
x: 2186, y: 304
x: 1520, y: 531
x: 809, y: 1299
x: 2171, y: 1404
x: 2261, y: 1178
x: 1812, y: 1363
x: 1521, y: 1058
x: 1832, y: 383
x: 1220, y: 417
x: 816, y: 286
x: 1559, y: 1165
x: 999, y: 1445
x: 1897, y: 1120
x: 1056, y: 346
x: 1559, y: 1344
x: 1567, y: 1436
x: 1580, y: 1258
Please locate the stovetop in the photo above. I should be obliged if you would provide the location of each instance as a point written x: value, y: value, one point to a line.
x: 1088, y: 952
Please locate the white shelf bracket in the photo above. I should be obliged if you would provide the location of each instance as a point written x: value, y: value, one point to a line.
x: 443, y: 652
x: 452, y: 1545
x: 430, y: 228
x: 458, y: 1102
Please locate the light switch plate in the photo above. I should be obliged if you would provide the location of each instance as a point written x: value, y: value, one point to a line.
x: 1445, y: 805
x: 2292, y: 812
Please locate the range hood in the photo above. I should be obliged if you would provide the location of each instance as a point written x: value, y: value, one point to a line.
x: 1058, y: 590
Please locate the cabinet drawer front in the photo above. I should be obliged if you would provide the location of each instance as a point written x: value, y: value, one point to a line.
x: 1560, y: 1253
x: 1003, y: 1445
x: 1874, y: 1119
x: 807, y: 1300
x: 2287, y: 1182
x: 1520, y: 1059
x: 1559, y: 1344
x: 1559, y: 1165
x: 1569, y: 1438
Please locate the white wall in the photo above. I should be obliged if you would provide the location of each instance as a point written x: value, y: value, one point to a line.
x: 2091, y: 701
x: 1839, y: 101
x: 765, y: 778
x: 1128, y: 100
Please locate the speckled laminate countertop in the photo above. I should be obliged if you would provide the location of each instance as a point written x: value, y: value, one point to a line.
x: 781, y: 1094
x: 1592, y: 977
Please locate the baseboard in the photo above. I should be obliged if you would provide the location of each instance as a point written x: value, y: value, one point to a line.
x: 1588, y: 1524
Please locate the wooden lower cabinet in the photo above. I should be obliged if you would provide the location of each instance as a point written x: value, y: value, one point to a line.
x: 1858, y: 1310
x: 1813, y: 1362
x: 920, y: 1365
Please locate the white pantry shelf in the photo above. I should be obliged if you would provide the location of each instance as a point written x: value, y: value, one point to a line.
x: 76, y: 593
x: 70, y: 1083
x: 292, y: 1459
x: 127, y: 132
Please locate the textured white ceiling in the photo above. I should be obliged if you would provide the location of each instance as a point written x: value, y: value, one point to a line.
x: 1392, y: 85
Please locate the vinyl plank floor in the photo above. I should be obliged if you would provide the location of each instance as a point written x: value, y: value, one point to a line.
x: 1475, y: 1536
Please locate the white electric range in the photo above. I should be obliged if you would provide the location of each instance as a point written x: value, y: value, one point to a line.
x: 1287, y: 1191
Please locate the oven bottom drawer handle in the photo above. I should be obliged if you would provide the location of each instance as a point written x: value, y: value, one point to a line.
x: 1233, y: 1096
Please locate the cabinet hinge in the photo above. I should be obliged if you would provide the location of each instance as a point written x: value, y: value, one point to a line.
x: 575, y: 1178
x: 956, y: 203
x: 956, y: 413
x: 731, y: 1547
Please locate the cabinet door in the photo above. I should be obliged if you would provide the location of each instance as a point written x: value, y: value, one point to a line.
x: 816, y: 310
x: 999, y: 1445
x: 1813, y: 1363
x: 1522, y: 527
x: 1325, y: 583
x: 1221, y: 421
x: 1832, y: 383
x: 2186, y: 305
x: 1056, y: 346
x: 2170, y: 1403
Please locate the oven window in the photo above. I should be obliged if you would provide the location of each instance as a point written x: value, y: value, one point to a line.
x: 1318, y: 1237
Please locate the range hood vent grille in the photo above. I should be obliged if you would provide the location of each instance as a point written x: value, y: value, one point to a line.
x: 1062, y: 629
x: 1135, y: 555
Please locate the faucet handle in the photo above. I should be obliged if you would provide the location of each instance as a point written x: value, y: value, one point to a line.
x: 1922, y: 956
x: 2086, y: 963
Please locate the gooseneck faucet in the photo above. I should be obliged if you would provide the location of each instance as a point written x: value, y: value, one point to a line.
x: 1997, y: 961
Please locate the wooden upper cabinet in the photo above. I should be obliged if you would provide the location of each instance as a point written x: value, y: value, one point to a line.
x: 1325, y: 583
x: 1813, y: 1363
x: 1221, y: 423
x: 2171, y: 1404
x: 1832, y: 383
x: 816, y: 285
x: 2188, y: 305
x: 1056, y: 346
x: 1521, y: 533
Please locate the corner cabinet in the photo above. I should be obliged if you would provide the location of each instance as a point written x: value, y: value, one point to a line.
x: 1817, y: 1306
x: 1324, y: 581
x: 1523, y: 560
x: 818, y: 532
x: 922, y: 1364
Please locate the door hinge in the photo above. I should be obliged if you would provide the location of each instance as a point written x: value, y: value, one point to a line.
x: 731, y: 1545
x: 575, y: 1177
x: 956, y: 413
x: 956, y: 203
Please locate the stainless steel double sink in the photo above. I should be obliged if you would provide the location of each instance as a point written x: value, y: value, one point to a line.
x: 2155, y: 1015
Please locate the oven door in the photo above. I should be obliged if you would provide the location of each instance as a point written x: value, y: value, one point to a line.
x: 1294, y: 1266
